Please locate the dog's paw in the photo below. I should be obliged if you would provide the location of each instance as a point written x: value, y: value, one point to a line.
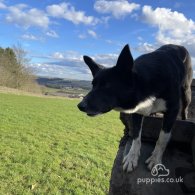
x: 152, y: 161
x: 130, y: 161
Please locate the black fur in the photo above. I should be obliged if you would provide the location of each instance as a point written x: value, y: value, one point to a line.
x: 165, y: 73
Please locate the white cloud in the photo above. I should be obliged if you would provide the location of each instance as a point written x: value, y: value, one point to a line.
x: 68, y: 12
x: 145, y: 47
x: 82, y: 36
x: 118, y: 8
x: 140, y: 38
x: 54, y: 70
x: 21, y: 16
x: 76, y: 58
x: 31, y: 37
x: 172, y: 22
x: 107, y: 60
x: 92, y: 33
x: 70, y: 64
x: 66, y: 56
x: 173, y: 27
x: 58, y: 56
x: 52, y: 33
x: 67, y: 64
x: 89, y: 33
x: 109, y: 41
x: 2, y: 5
x: 115, y: 43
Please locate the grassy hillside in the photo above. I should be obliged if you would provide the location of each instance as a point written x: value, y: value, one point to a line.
x: 48, y: 147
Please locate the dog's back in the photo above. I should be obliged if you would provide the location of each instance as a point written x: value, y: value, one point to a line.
x: 165, y: 73
x: 169, y: 65
x: 181, y: 54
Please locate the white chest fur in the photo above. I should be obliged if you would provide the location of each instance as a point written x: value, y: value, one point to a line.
x: 146, y: 107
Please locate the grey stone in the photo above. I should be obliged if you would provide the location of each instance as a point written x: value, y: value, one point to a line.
x: 179, y: 158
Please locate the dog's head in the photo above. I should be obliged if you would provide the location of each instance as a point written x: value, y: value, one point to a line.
x: 112, y: 87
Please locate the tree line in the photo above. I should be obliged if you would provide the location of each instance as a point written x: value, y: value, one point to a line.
x: 14, y: 72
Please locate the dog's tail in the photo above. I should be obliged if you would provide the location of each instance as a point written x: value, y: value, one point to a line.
x: 186, y: 86
x: 188, y: 66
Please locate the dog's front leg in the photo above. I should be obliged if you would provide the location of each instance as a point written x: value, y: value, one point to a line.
x: 164, y: 137
x: 130, y: 161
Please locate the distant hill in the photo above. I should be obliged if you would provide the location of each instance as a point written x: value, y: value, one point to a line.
x: 59, y: 83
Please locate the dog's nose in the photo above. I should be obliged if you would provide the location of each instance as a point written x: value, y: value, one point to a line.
x: 82, y: 106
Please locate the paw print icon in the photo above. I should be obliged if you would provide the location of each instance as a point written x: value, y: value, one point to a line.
x: 159, y: 170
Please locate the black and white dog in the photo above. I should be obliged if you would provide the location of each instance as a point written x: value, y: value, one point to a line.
x: 154, y: 82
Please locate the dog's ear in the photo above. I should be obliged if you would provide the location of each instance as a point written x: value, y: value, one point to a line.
x: 93, y: 66
x: 125, y: 59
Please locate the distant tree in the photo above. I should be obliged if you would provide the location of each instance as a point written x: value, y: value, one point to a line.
x: 14, y: 71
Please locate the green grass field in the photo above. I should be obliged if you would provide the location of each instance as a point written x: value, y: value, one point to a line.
x: 48, y: 147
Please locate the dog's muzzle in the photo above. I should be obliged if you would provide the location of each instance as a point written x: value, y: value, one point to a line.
x: 82, y: 106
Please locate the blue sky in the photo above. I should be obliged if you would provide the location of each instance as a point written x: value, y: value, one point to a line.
x: 56, y: 34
